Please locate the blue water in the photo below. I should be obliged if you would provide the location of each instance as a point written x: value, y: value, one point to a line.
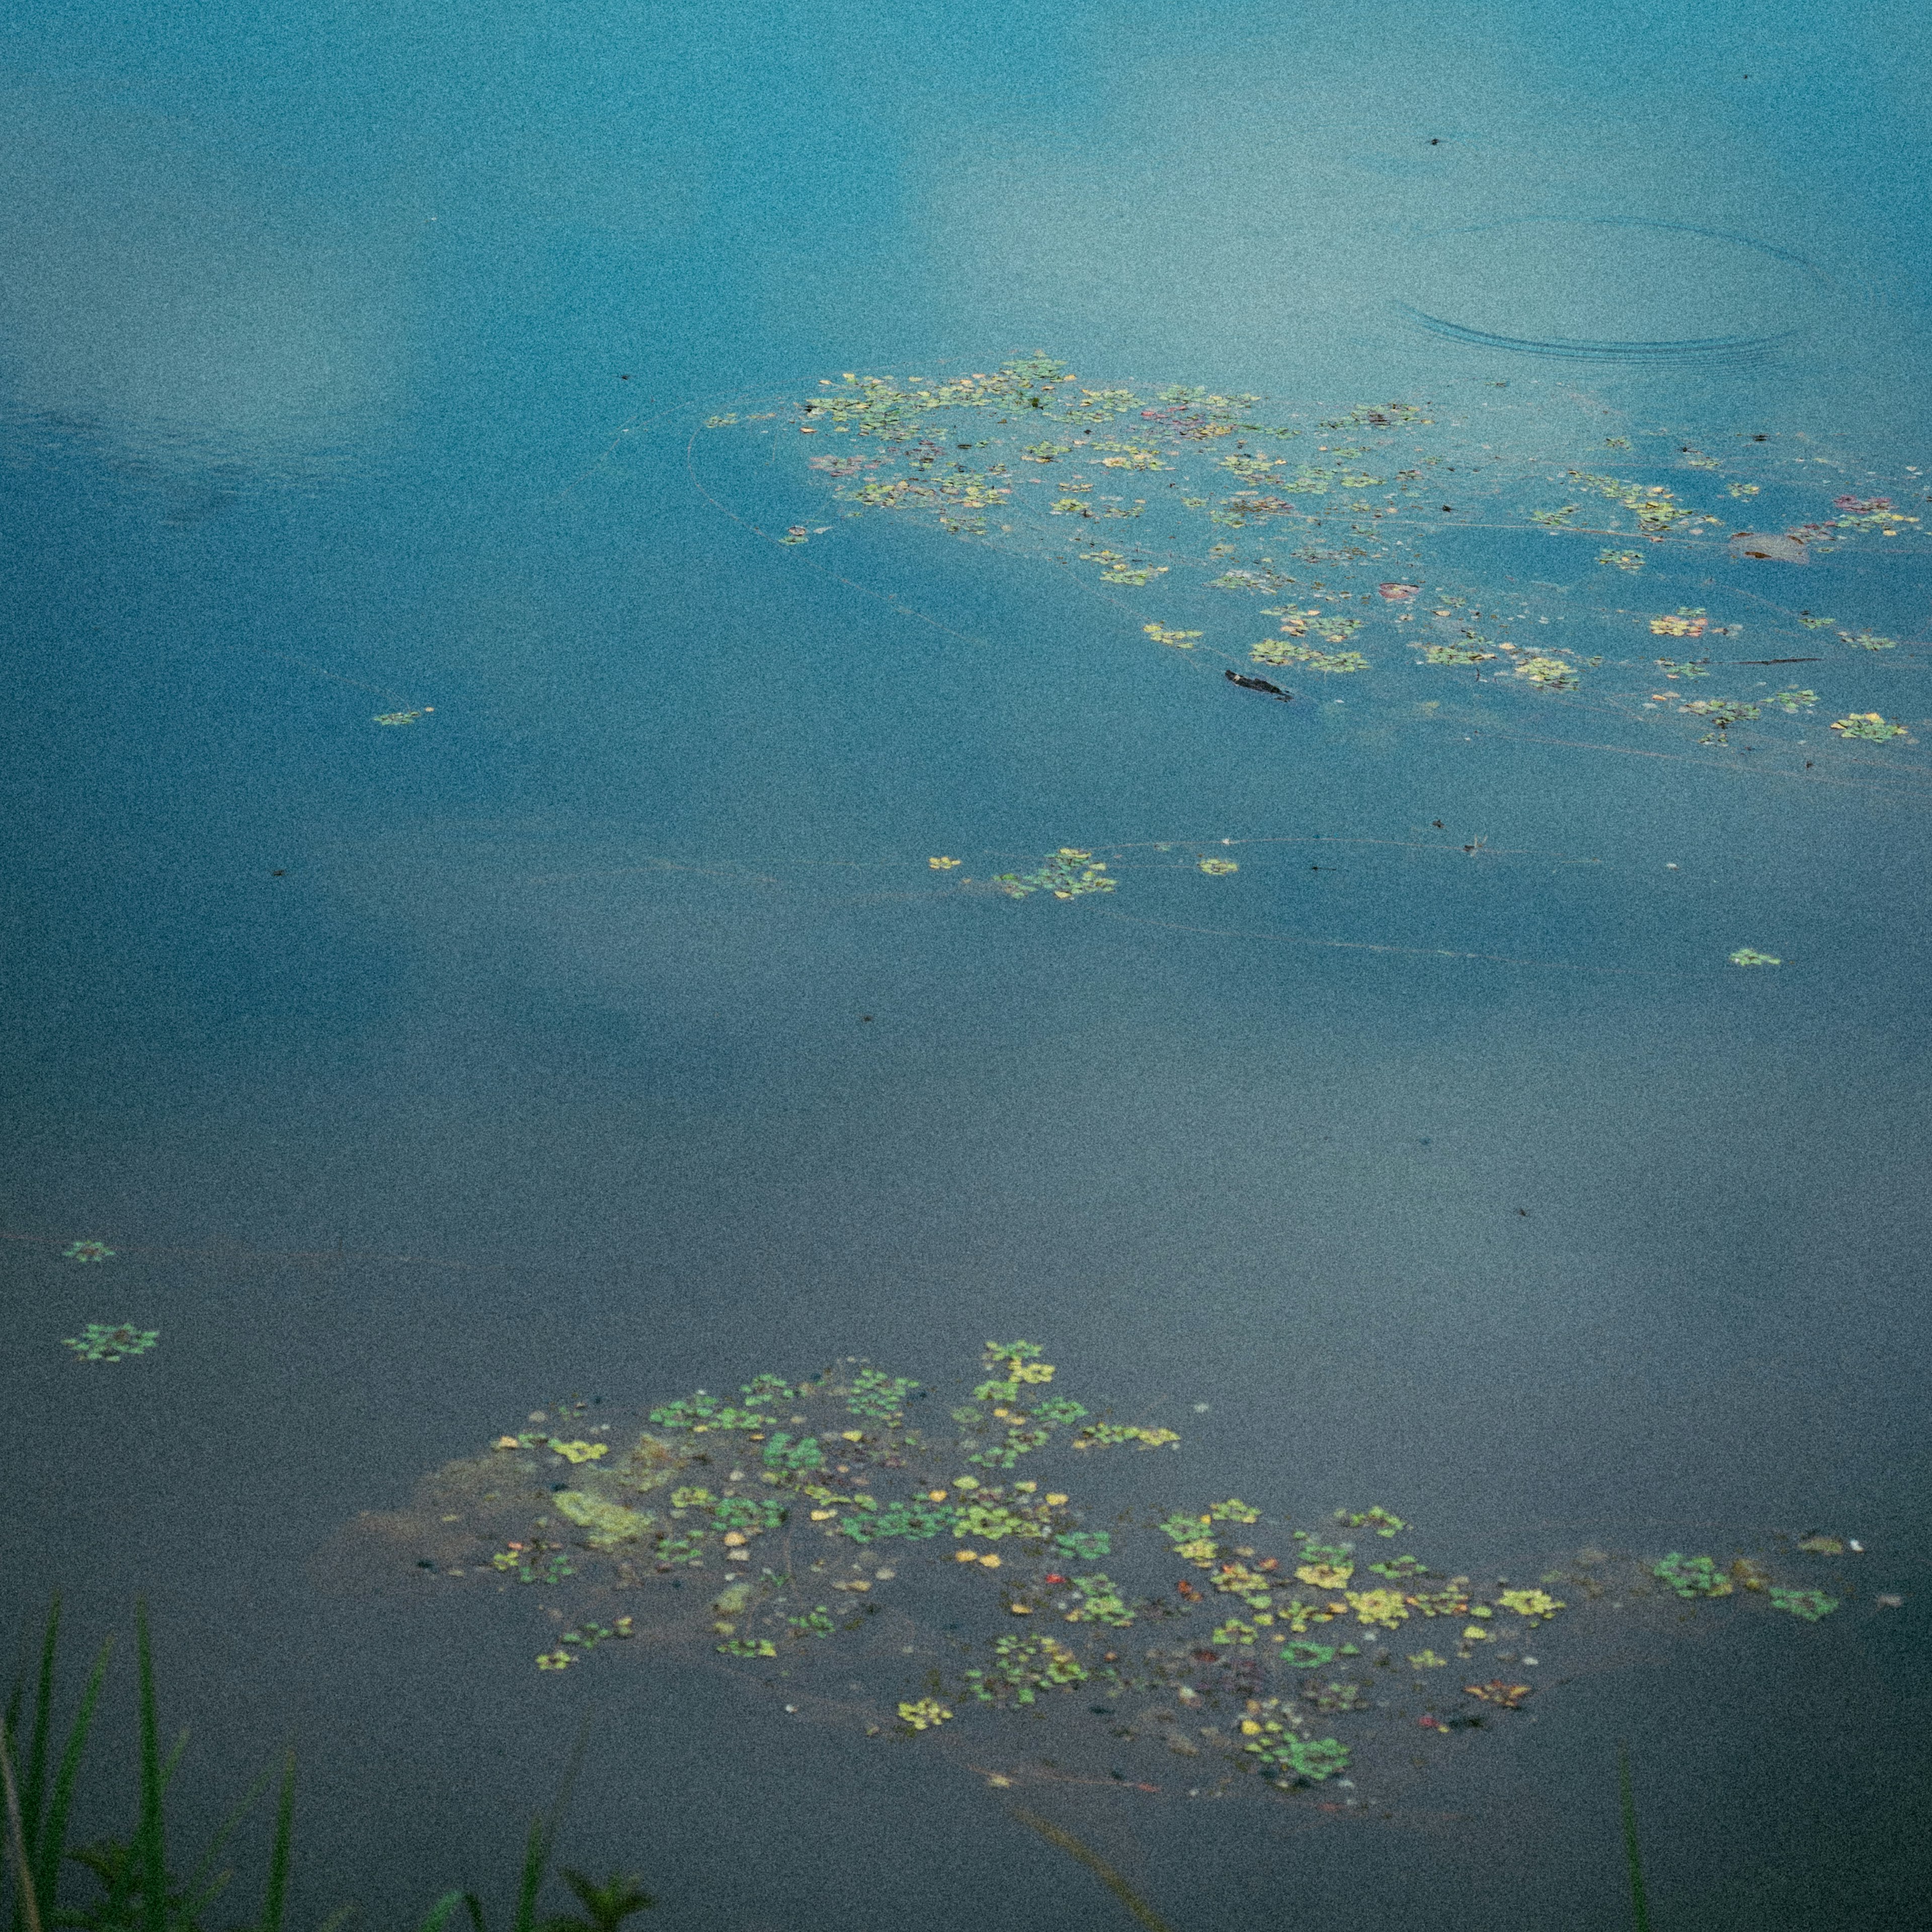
x: 609, y: 1020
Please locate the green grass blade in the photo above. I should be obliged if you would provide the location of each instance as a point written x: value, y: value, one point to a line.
x: 542, y: 1840
x: 150, y: 1841
x: 536, y: 1856
x: 441, y: 1908
x: 17, y: 1843
x: 275, y: 1903
x: 1639, y: 1904
x: 53, y: 1846
x: 33, y: 1787
x: 227, y: 1830
x: 341, y: 1916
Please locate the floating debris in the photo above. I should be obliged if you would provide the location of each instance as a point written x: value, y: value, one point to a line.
x: 88, y: 1251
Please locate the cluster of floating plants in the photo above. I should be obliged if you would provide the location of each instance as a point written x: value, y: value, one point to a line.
x: 868, y: 1555
x: 1068, y: 873
x: 1390, y: 537
x: 104, y: 1342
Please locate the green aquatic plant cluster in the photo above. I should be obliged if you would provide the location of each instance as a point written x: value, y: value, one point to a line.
x: 1023, y: 1666
x: 1369, y: 526
x: 1869, y: 725
x: 1691, y: 1576
x: 1808, y: 1605
x: 1245, y: 1647
x: 1285, y: 651
x: 1068, y: 873
x: 104, y: 1341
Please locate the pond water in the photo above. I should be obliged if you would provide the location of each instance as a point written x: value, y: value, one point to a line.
x: 698, y: 695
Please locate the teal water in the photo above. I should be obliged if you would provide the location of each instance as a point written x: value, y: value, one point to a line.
x: 607, y: 1028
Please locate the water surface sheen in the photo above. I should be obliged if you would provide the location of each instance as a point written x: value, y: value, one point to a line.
x: 599, y: 1023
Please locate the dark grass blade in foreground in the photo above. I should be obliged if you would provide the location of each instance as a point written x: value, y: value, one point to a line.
x: 137, y: 1894
x: 537, y: 1848
x: 1097, y: 1865
x: 1640, y: 1905
x: 41, y: 1841
x: 274, y: 1900
x: 150, y: 1847
x: 606, y: 1907
x: 17, y: 1841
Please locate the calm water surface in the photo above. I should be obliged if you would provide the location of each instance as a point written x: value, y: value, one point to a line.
x: 604, y: 1029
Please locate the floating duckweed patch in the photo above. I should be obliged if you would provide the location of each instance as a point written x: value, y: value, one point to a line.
x: 1552, y: 674
x: 1285, y: 1757
x: 100, y: 1342
x: 1819, y: 1544
x: 1270, y: 1654
x: 1385, y: 1610
x: 1531, y: 1605
x: 88, y: 1251
x: 1367, y: 526
x: 1219, y: 869
x: 1869, y: 725
x: 1285, y: 651
x: 1749, y: 956
x: 1692, y: 1575
x: 1022, y: 1667
x: 1068, y: 873
x: 1383, y: 1522
x: 1498, y: 1691
x: 1811, y: 1605
x: 532, y: 1560
x: 606, y: 1523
